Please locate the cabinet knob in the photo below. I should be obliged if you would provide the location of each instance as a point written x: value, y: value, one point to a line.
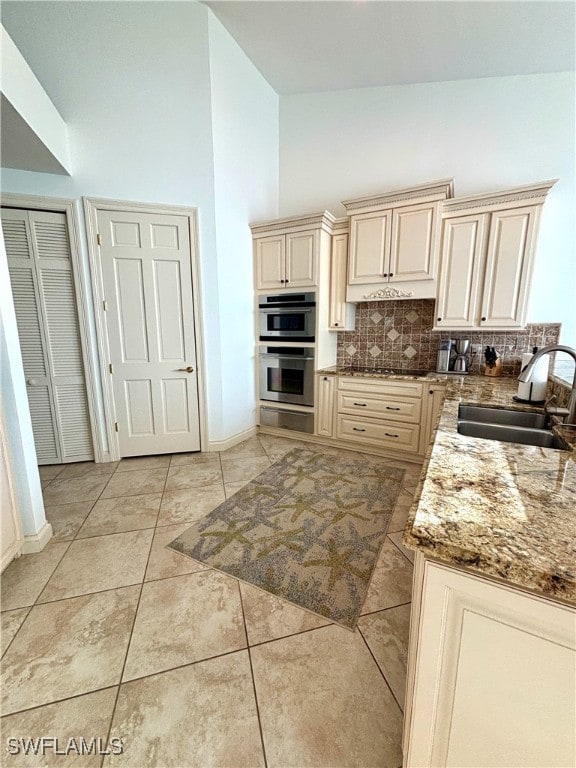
x: 286, y: 281
x: 483, y: 319
x: 385, y: 274
x: 336, y: 325
x: 439, y: 319
x: 430, y: 391
x: 391, y: 274
x: 325, y: 378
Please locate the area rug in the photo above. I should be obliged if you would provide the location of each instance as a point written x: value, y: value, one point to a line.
x: 308, y: 529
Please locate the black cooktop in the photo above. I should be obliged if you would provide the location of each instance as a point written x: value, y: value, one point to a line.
x: 390, y: 371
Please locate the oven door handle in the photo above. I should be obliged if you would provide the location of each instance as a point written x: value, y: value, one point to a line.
x: 284, y: 310
x: 286, y: 357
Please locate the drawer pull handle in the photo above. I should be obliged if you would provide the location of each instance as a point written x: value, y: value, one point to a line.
x: 357, y: 429
x: 391, y: 408
x: 362, y: 404
x: 389, y: 435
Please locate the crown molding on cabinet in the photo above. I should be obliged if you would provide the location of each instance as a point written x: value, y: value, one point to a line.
x: 323, y: 220
x: 532, y: 194
x: 433, y: 190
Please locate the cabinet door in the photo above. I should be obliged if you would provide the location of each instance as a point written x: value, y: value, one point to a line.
x: 414, y: 249
x: 338, y: 268
x: 494, y: 676
x: 325, y: 389
x: 301, y: 259
x: 369, y: 248
x: 509, y: 264
x: 463, y: 246
x: 434, y: 399
x: 269, y: 255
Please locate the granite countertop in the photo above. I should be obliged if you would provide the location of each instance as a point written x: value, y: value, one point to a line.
x: 502, y: 510
x: 378, y: 373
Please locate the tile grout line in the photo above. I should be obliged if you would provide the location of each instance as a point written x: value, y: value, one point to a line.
x: 398, y: 548
x: 19, y: 628
x: 253, y: 680
x: 59, y: 701
x: 381, y: 672
x: 295, y: 634
x: 131, y: 633
x: 388, y: 608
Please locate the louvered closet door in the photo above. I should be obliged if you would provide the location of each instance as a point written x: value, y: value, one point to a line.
x: 38, y: 250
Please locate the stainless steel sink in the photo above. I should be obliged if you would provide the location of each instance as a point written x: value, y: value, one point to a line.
x: 507, y: 426
x: 486, y: 415
x: 510, y: 434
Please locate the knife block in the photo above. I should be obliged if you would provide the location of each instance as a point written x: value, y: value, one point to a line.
x: 495, y: 370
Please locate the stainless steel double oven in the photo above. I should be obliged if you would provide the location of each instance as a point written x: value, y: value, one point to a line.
x: 286, y: 371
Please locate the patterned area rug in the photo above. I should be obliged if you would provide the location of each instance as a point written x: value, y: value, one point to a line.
x: 308, y: 529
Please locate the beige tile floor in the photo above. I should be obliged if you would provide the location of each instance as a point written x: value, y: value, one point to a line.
x: 106, y: 633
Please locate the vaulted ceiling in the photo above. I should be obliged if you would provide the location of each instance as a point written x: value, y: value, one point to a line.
x: 314, y: 45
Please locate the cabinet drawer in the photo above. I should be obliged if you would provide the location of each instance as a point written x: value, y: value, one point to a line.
x: 374, y: 406
x: 357, y: 385
x: 402, y: 437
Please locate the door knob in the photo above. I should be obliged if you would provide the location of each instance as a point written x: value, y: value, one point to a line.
x: 187, y: 370
x: 31, y: 382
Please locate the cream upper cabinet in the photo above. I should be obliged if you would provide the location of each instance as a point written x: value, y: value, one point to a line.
x: 414, y: 247
x: 287, y: 251
x: 369, y: 247
x: 301, y: 259
x: 341, y: 315
x: 394, y: 246
x: 286, y: 261
x: 487, y: 258
x: 269, y: 253
x: 461, y: 260
x: 394, y: 239
x: 509, y: 261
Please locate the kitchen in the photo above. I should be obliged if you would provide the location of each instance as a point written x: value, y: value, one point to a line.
x: 503, y: 115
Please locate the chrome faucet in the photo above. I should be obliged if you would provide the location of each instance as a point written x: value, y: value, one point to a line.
x: 526, y: 373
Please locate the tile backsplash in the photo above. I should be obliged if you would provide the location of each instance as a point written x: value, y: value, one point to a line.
x: 398, y: 334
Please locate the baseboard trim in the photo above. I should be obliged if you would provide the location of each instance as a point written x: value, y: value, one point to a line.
x: 37, y: 541
x: 230, y: 442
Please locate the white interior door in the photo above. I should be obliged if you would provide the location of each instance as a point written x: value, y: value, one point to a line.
x: 147, y: 279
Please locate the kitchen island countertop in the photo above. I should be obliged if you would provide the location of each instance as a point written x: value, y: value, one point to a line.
x: 502, y: 510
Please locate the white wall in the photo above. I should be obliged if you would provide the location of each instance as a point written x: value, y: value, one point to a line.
x: 132, y: 81
x: 488, y: 134
x: 245, y: 113
x: 30, y: 101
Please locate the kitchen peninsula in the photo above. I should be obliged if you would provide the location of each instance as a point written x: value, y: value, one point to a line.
x: 492, y: 639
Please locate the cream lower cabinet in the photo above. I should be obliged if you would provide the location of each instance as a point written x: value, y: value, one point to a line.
x: 380, y: 413
x: 432, y: 402
x: 491, y: 675
x: 325, y: 390
x: 487, y: 257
